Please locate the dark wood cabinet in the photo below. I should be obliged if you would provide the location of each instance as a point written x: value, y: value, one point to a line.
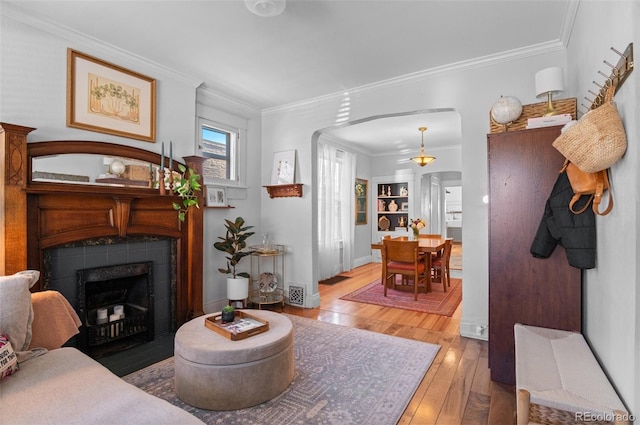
x: 523, y: 167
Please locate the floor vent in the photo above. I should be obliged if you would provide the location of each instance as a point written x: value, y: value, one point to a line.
x: 296, y: 295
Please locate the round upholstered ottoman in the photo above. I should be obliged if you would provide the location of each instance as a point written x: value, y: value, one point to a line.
x: 212, y: 372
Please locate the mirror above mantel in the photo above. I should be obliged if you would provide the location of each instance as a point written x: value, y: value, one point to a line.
x: 93, y: 169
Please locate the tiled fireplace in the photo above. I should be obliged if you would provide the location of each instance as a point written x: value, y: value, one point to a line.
x: 138, y: 274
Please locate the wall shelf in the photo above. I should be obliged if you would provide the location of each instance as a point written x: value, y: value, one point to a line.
x: 285, y: 190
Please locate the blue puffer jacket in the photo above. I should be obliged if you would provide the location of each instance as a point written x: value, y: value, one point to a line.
x: 576, y: 232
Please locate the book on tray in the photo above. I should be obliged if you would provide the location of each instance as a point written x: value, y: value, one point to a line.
x: 241, y: 325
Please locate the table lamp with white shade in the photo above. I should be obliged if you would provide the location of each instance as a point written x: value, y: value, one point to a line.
x: 549, y: 81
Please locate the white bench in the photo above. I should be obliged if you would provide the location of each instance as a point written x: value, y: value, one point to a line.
x: 558, y: 380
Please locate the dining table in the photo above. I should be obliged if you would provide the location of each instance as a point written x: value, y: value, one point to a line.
x: 428, y: 246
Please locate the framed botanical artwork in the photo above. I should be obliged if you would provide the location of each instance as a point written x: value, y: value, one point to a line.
x: 215, y: 196
x: 361, y: 188
x: 107, y: 98
x: 284, y: 167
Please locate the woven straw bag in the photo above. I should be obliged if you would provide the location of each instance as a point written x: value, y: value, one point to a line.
x: 597, y: 140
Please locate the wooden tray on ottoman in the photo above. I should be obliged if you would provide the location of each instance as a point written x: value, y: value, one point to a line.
x: 244, y: 325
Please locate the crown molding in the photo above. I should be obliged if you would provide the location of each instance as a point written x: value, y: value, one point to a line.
x: 215, y: 99
x: 502, y: 57
x: 570, y: 18
x: 91, y: 43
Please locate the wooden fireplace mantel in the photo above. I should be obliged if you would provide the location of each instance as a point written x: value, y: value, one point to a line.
x: 41, y: 214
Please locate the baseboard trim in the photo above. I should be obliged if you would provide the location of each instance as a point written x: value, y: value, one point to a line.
x: 474, y: 330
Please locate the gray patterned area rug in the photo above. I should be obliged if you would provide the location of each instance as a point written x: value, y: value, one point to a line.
x: 342, y: 376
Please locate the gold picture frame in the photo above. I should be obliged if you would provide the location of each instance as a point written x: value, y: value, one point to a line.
x: 361, y: 188
x: 109, y: 99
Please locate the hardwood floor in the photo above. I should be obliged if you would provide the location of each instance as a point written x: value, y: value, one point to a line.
x: 457, y: 388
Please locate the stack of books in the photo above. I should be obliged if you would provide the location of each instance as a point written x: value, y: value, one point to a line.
x: 538, y: 122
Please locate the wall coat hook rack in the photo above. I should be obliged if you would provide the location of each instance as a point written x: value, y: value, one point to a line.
x: 619, y: 73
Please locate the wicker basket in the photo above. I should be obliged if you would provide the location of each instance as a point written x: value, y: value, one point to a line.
x: 597, y: 141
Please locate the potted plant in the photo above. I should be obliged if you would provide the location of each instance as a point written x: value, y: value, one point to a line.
x: 228, y: 314
x: 234, y: 244
x: 185, y: 187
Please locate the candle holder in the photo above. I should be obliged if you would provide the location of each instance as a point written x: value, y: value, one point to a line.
x: 163, y: 190
x: 171, y: 182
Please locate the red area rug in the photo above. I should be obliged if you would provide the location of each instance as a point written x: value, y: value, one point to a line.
x: 435, y: 302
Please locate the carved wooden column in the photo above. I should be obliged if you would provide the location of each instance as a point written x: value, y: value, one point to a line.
x: 193, y: 247
x: 13, y: 198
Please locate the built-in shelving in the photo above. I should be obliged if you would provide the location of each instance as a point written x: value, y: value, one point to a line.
x: 392, y: 206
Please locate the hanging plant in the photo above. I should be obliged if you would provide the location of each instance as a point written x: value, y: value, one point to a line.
x: 186, y: 187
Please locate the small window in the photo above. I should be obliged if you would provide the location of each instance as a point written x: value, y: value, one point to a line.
x: 219, y: 146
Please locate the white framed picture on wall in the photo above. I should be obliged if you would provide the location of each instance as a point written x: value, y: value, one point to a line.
x: 284, y: 167
x: 215, y: 196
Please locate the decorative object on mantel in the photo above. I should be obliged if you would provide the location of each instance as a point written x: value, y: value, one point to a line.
x: 234, y: 244
x: 535, y: 110
x: 423, y: 159
x: 117, y: 168
x: 506, y: 110
x: 619, y: 74
x: 284, y: 190
x: 185, y: 187
x: 549, y: 81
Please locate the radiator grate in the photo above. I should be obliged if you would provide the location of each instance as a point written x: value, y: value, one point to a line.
x: 296, y: 295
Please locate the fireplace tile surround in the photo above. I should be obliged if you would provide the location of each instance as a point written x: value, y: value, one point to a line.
x: 62, y: 263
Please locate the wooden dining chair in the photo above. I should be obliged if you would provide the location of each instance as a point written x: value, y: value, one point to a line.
x: 440, y: 266
x: 401, y: 257
x: 382, y: 255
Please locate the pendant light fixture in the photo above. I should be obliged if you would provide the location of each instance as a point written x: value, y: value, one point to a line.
x: 423, y: 159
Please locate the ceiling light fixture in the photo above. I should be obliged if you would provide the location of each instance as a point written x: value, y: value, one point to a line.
x: 423, y: 159
x: 266, y: 8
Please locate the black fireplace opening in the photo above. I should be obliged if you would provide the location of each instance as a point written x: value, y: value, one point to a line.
x: 116, y: 306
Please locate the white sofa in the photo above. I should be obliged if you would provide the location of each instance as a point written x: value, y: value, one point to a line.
x: 63, y: 385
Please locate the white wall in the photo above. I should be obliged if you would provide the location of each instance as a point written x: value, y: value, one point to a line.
x: 471, y: 91
x: 33, y: 84
x: 245, y: 198
x: 611, y: 297
x: 33, y: 72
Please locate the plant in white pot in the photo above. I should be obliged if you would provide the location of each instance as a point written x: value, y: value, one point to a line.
x: 234, y: 244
